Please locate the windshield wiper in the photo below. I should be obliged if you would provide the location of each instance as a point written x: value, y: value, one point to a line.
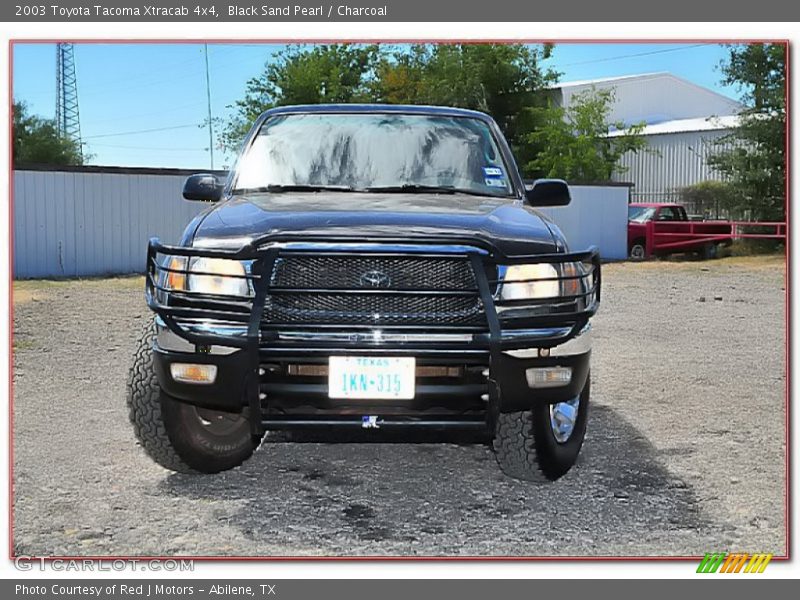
x: 418, y: 188
x: 293, y: 187
x: 408, y: 188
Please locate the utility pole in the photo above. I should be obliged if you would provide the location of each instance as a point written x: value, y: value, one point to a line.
x: 68, y: 121
x: 210, y: 122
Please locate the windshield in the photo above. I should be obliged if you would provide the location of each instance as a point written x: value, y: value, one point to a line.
x: 640, y: 214
x: 374, y: 153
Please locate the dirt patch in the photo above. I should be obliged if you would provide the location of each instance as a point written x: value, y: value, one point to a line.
x: 770, y: 262
x: 684, y: 452
x: 36, y: 290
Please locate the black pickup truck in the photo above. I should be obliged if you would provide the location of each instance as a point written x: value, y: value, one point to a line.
x: 373, y: 267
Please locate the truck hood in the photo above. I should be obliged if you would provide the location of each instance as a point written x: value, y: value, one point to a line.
x: 511, y: 227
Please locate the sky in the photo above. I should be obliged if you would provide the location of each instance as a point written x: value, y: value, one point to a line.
x: 142, y: 105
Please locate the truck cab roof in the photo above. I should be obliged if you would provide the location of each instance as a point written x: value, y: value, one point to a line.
x: 444, y: 111
x: 655, y: 204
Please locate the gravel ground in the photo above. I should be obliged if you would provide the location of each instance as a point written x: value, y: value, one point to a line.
x: 685, y: 452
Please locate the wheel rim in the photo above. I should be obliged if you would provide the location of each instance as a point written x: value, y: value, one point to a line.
x: 217, y: 422
x: 637, y: 252
x: 563, y: 417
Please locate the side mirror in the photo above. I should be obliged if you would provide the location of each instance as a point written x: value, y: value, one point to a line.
x: 548, y: 192
x: 203, y: 187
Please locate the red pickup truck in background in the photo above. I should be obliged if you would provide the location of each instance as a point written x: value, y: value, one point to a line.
x: 658, y: 229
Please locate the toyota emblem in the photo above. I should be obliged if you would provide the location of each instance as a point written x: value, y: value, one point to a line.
x: 375, y: 279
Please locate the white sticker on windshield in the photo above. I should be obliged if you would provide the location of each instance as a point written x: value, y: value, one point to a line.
x: 493, y: 171
x: 495, y: 182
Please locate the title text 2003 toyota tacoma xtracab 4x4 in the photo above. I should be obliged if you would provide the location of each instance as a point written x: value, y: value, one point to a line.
x: 368, y: 267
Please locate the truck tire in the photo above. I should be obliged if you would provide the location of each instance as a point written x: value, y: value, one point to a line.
x: 179, y: 436
x: 526, y: 446
x: 637, y: 250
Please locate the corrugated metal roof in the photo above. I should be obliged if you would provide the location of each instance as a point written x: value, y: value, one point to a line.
x: 681, y: 125
x: 652, y: 97
x: 585, y: 82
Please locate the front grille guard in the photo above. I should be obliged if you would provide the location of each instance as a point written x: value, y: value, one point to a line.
x: 175, y: 307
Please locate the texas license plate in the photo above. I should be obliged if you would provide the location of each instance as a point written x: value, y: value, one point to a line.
x: 371, y: 377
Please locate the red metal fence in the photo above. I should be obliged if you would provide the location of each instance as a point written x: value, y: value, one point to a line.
x: 689, y: 236
x: 778, y: 230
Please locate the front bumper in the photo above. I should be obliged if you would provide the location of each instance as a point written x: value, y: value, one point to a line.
x: 279, y: 372
x: 503, y: 378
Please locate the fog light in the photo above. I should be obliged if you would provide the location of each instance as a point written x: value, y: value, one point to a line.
x: 193, y: 373
x: 548, y: 376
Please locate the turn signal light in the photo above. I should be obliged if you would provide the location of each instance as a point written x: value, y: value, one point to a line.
x: 193, y: 373
x: 176, y: 281
x: 546, y: 377
x: 571, y: 286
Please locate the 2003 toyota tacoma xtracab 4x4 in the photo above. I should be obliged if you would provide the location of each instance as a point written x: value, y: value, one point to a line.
x: 367, y: 266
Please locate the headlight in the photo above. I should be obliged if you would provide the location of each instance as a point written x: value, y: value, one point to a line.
x: 219, y: 276
x: 538, y: 280
x: 543, y: 280
x: 218, y: 281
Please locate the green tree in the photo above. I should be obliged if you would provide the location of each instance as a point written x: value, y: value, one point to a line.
x: 503, y: 80
x: 305, y: 75
x: 753, y: 157
x: 713, y: 199
x: 36, y: 141
x: 500, y: 79
x: 575, y: 142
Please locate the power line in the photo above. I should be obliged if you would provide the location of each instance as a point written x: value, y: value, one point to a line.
x: 101, y: 87
x: 86, y: 137
x: 108, y: 87
x: 623, y: 56
x: 105, y: 88
x: 128, y: 117
x: 210, y: 120
x: 157, y: 148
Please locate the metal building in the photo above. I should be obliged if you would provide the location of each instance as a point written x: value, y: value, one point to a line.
x: 88, y: 220
x: 676, y: 157
x: 683, y: 122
